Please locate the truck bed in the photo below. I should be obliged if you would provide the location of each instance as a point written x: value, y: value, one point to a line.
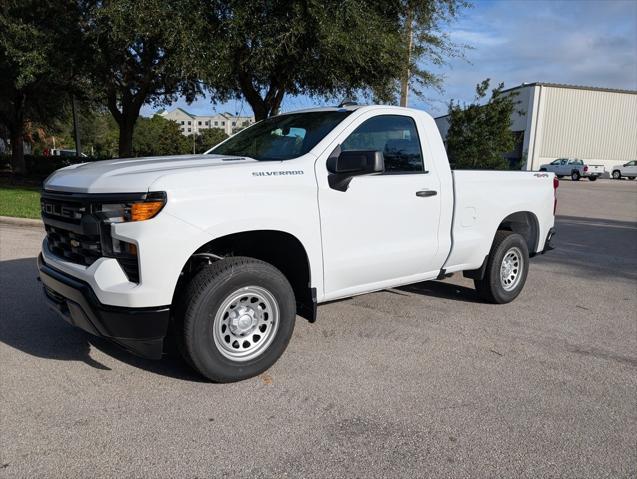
x: 483, y: 198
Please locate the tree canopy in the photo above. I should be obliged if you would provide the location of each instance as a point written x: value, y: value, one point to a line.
x: 322, y: 49
x: 144, y: 52
x: 38, y: 64
x: 479, y: 133
x: 124, y: 54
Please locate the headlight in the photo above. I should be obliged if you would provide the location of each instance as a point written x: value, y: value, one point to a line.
x: 136, y: 210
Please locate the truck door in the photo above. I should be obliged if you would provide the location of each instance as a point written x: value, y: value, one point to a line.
x: 384, y: 228
x: 563, y: 169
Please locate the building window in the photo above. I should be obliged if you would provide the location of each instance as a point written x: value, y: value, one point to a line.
x: 189, y: 130
x: 207, y: 123
x: 188, y: 123
x: 216, y: 123
x: 234, y: 123
x: 199, y: 123
x: 246, y: 123
x: 223, y: 123
x: 182, y: 122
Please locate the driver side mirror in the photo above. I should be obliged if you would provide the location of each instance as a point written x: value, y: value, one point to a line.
x: 353, y: 163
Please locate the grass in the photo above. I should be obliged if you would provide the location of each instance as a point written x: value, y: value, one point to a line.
x: 19, y: 201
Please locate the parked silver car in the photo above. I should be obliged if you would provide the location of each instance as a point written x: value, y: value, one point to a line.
x: 627, y: 170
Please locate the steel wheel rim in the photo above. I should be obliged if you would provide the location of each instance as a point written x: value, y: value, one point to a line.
x: 511, y: 269
x: 246, y: 323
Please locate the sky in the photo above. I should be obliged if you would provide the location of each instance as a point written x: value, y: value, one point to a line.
x: 577, y: 42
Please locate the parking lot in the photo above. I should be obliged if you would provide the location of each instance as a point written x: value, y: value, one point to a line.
x: 420, y: 381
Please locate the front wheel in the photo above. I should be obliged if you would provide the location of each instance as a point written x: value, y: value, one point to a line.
x: 617, y: 175
x: 237, y: 318
x: 630, y: 177
x: 507, y: 267
x: 575, y: 176
x: 592, y: 178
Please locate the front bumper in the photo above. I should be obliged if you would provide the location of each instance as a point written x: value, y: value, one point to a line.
x: 139, y: 330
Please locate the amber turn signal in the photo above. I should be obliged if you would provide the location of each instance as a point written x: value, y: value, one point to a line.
x: 146, y: 210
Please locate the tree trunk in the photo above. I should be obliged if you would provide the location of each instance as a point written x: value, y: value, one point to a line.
x: 18, y: 165
x: 16, y: 129
x: 125, y: 147
x: 409, y: 33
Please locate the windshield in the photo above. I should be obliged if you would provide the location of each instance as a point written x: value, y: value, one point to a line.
x: 282, y: 137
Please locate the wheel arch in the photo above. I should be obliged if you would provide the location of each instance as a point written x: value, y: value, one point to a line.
x: 281, y: 249
x: 526, y: 224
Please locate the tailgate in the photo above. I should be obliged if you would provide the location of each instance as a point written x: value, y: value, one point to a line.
x: 596, y: 169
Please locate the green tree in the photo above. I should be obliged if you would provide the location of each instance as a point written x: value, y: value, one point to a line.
x: 39, y: 65
x: 206, y: 139
x: 144, y: 52
x: 479, y: 133
x: 271, y: 48
x: 158, y: 136
x: 425, y: 44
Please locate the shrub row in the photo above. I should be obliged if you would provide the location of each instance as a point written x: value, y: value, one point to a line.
x: 39, y: 166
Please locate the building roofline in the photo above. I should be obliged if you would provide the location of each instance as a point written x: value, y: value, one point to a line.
x: 572, y: 87
x: 184, y: 111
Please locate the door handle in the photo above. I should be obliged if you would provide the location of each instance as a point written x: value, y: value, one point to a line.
x: 425, y: 193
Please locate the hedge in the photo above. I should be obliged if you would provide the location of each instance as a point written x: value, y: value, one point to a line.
x: 39, y: 166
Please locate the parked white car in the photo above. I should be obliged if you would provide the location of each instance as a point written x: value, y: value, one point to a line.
x: 226, y: 248
x: 628, y: 170
x: 574, y: 168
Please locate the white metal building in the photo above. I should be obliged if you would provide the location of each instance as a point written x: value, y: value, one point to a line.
x: 191, y: 124
x: 597, y: 125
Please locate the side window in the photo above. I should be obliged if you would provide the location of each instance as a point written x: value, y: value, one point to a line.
x: 395, y: 136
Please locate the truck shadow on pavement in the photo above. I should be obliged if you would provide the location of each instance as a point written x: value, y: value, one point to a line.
x: 28, y: 325
x: 586, y: 247
x: 442, y: 290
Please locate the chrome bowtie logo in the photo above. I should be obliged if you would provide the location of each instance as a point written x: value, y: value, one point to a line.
x: 75, y: 243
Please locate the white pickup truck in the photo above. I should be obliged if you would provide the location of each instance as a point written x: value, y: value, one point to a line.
x: 574, y: 168
x: 225, y: 249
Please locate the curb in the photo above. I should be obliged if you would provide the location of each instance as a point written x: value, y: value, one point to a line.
x: 9, y: 220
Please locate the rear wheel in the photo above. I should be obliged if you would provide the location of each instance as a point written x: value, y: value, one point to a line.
x: 559, y: 177
x: 630, y: 177
x: 617, y: 175
x: 592, y: 178
x: 238, y: 316
x: 507, y: 267
x: 575, y: 176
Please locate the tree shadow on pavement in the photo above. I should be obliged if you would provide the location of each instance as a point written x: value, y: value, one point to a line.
x: 28, y: 325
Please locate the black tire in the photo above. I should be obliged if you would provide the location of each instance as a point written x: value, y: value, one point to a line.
x: 490, y: 288
x: 592, y: 178
x: 617, y: 175
x: 201, y: 300
x: 559, y: 177
x: 630, y: 177
x: 575, y: 176
x: 542, y: 169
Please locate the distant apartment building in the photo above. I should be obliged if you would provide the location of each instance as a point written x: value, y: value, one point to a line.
x: 191, y: 124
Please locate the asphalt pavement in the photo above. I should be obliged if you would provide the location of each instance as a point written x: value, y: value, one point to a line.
x: 420, y: 381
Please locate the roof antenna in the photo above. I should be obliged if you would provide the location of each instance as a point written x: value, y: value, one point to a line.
x: 347, y: 102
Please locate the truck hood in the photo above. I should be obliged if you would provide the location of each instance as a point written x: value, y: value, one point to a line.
x: 132, y: 175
